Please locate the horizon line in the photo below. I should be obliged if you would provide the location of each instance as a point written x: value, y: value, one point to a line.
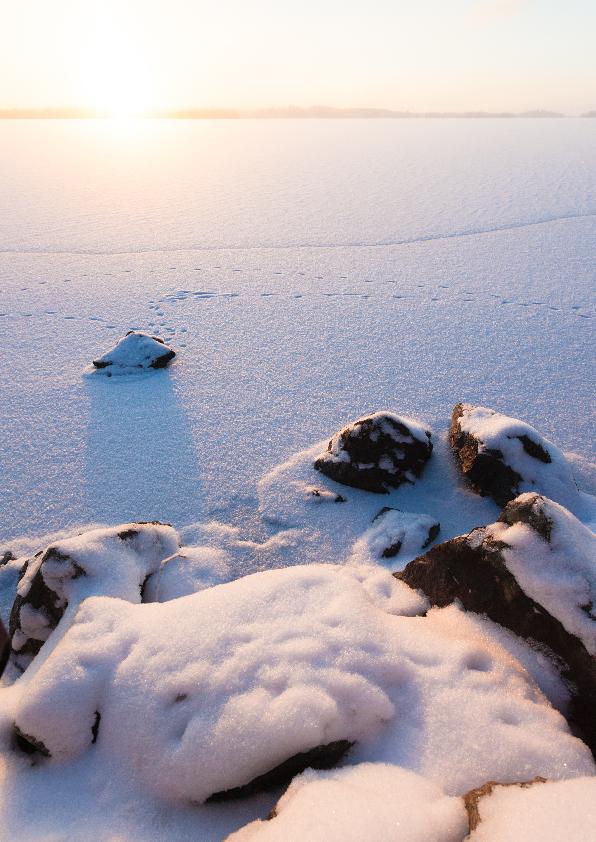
x: 281, y: 112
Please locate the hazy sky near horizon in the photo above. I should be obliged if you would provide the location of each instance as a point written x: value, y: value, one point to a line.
x: 430, y: 55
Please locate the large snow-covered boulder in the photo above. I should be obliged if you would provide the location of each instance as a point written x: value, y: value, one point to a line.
x: 245, y: 684
x: 549, y: 811
x: 134, y: 352
x: 502, y: 456
x: 111, y: 561
x: 370, y: 801
x: 534, y: 572
x: 377, y: 453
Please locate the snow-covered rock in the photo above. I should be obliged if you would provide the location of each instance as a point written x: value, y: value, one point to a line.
x: 209, y: 693
x: 393, y: 530
x: 370, y: 801
x: 534, y: 572
x: 377, y: 453
x: 4, y: 647
x: 502, y: 456
x: 136, y: 350
x: 188, y: 571
x: 111, y: 561
x: 549, y: 811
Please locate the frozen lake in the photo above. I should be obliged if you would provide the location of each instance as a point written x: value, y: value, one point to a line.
x: 306, y: 271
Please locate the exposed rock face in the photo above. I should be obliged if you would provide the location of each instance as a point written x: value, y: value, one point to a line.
x: 136, y: 351
x: 6, y: 557
x: 321, y: 757
x: 4, y: 647
x: 111, y: 562
x: 377, y: 453
x: 502, y: 456
x: 518, y: 572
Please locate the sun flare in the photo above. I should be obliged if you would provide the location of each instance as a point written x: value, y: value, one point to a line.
x: 115, y: 78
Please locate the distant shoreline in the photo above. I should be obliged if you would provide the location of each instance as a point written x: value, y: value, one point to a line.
x: 315, y: 112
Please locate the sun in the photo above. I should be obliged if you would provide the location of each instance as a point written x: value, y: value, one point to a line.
x: 114, y: 76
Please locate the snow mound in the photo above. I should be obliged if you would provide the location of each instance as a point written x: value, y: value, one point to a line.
x: 329, y: 531
x: 204, y: 694
x: 553, y: 558
x: 504, y: 456
x: 190, y: 570
x: 111, y: 561
x: 379, y: 802
x: 550, y: 812
x: 393, y: 531
x: 136, y: 350
x: 377, y: 453
x: 207, y: 692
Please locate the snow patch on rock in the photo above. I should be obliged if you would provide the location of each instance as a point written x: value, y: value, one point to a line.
x: 558, y: 572
x: 391, y: 533
x: 373, y: 801
x: 135, y: 351
x: 550, y: 812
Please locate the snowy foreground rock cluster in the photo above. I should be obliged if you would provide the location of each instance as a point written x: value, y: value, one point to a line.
x: 445, y: 697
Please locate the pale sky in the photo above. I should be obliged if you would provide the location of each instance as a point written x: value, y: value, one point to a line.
x: 430, y: 55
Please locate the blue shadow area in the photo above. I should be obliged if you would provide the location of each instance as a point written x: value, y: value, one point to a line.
x: 140, y: 461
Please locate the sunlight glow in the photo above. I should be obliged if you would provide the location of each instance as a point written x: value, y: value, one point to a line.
x: 115, y: 78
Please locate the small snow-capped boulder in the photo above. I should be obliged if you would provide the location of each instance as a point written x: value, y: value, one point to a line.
x: 534, y: 572
x: 502, y: 456
x: 549, y: 811
x: 110, y: 561
x: 377, y: 453
x: 134, y: 352
x: 366, y: 801
x: 322, y: 495
x: 394, y: 531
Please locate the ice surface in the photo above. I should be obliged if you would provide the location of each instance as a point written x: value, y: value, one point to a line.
x: 559, y: 574
x: 460, y: 266
x: 550, y: 812
x: 370, y: 801
x: 284, y: 342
